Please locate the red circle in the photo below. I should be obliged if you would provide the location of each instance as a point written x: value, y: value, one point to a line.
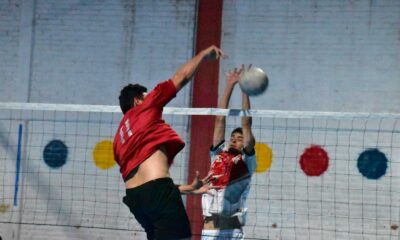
x: 314, y: 161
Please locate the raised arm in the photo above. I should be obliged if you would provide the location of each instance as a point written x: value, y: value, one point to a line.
x: 232, y: 77
x: 186, y: 71
x: 248, y: 137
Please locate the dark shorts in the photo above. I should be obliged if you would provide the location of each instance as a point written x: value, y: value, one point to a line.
x: 157, y: 205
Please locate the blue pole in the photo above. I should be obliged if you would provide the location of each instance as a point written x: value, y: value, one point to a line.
x: 18, y: 164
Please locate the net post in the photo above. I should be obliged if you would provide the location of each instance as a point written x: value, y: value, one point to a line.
x: 205, y: 94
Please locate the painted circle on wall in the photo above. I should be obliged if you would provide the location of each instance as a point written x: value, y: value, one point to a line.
x: 372, y: 163
x: 103, y: 155
x: 263, y: 157
x: 4, y: 207
x: 55, y: 153
x: 314, y: 161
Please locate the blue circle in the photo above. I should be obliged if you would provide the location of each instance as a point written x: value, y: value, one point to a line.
x: 55, y: 154
x: 372, y: 163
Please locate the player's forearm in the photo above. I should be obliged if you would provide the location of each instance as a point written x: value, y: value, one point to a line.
x: 246, y: 121
x: 245, y: 101
x: 219, y: 130
x: 220, y: 122
x: 186, y: 71
x: 248, y: 137
x: 226, y: 96
x: 186, y: 189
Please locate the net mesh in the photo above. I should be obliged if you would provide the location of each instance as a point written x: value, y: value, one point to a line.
x: 57, y: 169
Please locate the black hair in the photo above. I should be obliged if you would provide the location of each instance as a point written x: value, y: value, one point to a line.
x: 237, y: 130
x: 128, y: 93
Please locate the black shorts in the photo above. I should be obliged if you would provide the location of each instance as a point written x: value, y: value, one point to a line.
x: 157, y: 205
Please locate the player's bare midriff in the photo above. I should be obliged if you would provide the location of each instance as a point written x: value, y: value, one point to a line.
x: 156, y: 166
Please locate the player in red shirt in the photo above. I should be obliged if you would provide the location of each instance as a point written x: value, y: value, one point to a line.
x: 144, y: 148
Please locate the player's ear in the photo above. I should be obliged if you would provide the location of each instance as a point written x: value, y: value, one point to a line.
x: 136, y: 101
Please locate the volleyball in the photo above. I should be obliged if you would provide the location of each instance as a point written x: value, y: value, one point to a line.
x: 253, y: 81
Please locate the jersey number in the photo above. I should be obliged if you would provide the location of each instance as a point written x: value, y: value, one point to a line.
x: 125, y: 129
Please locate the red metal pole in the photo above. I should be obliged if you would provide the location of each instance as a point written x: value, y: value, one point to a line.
x: 205, y: 94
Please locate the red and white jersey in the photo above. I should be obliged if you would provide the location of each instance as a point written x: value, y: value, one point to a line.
x: 228, y: 168
x: 233, y: 183
x: 142, y: 130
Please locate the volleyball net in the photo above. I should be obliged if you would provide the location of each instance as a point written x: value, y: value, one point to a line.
x: 319, y: 175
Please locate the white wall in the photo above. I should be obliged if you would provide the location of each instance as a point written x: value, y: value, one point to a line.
x: 82, y: 52
x: 85, y: 51
x: 10, y: 14
x: 319, y: 55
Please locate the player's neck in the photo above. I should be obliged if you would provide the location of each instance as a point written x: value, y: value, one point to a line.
x: 234, y: 151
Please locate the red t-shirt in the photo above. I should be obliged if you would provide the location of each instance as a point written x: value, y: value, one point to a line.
x: 142, y: 130
x: 229, y: 167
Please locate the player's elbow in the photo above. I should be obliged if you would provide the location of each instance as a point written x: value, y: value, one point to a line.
x: 249, y: 141
x: 179, y: 80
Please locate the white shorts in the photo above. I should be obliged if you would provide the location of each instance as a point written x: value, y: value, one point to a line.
x: 235, y: 234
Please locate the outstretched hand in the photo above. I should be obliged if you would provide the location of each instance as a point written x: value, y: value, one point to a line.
x: 209, y: 179
x: 201, y: 186
x: 233, y: 76
x: 196, y: 183
x: 214, y: 52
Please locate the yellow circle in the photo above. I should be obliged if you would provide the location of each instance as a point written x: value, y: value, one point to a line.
x: 103, y: 154
x: 263, y: 157
x: 4, y: 207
